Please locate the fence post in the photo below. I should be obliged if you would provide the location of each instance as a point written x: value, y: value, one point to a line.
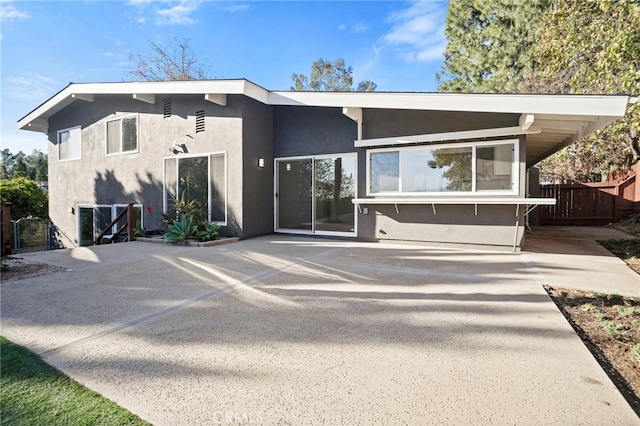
x: 7, y: 231
x: 130, y: 224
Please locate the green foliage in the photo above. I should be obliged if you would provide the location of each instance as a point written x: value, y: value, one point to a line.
x: 32, y: 166
x: 138, y: 230
x: 182, y: 206
x: 26, y: 197
x: 328, y: 76
x: 617, y: 331
x: 209, y: 231
x: 488, y: 44
x: 569, y: 47
x: 34, y: 393
x: 181, y: 229
x: 592, y: 47
x: 635, y: 353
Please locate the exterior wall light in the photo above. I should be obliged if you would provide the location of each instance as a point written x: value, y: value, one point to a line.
x: 261, y: 162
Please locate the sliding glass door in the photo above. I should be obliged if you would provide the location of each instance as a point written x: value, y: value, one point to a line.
x: 313, y: 194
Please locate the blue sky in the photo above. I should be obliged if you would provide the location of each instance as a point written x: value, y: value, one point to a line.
x: 47, y: 44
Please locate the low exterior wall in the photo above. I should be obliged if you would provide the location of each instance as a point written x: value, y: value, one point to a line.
x: 493, y: 226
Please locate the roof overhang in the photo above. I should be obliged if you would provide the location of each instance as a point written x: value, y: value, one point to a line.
x: 551, y: 122
x: 145, y: 91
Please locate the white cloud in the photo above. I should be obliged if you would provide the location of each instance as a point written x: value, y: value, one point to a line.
x: 28, y: 86
x: 358, y: 27
x: 8, y: 12
x: 417, y: 32
x: 237, y: 8
x: 177, y: 14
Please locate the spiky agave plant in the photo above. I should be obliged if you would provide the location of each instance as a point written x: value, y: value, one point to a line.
x: 181, y: 229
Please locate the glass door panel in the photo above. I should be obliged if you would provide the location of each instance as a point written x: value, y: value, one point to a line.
x: 335, y: 187
x: 294, y: 195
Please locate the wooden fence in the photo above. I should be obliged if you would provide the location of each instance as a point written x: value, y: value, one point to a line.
x: 592, y: 204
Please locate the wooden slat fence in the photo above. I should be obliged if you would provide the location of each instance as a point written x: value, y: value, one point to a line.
x: 592, y: 204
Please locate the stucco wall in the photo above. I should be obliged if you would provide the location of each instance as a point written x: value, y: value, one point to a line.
x: 492, y: 226
x: 100, y: 179
x: 257, y: 189
x: 312, y: 131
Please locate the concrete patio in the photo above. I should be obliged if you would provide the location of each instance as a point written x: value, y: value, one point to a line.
x: 291, y: 330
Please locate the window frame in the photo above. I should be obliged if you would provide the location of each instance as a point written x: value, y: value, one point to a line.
x: 515, y: 169
x: 209, y: 183
x: 69, y: 129
x: 121, y: 118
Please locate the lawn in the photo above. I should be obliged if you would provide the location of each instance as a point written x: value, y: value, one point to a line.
x: 34, y: 393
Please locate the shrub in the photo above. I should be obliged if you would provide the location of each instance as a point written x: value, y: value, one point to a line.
x: 26, y: 197
x: 209, y: 232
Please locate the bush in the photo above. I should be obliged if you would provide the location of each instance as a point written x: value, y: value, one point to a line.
x: 26, y: 197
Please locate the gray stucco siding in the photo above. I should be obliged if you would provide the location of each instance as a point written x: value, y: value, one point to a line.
x: 299, y: 131
x: 257, y: 184
x: 98, y: 178
x: 451, y: 224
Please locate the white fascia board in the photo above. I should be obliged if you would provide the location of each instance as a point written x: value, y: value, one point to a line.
x: 446, y: 136
x: 614, y: 106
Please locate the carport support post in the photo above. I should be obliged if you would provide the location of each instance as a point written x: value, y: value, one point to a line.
x: 7, y: 231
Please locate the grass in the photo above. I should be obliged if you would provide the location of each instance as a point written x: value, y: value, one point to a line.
x: 34, y: 393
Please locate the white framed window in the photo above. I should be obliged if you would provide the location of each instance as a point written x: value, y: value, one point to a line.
x: 122, y: 135
x: 473, y: 167
x: 70, y: 144
x: 201, y: 178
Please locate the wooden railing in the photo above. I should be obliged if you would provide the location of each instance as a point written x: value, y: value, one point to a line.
x: 128, y: 225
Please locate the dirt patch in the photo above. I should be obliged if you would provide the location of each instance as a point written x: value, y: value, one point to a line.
x: 609, y: 325
x: 16, y: 268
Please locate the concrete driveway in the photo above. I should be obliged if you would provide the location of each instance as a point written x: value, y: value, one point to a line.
x: 290, y: 330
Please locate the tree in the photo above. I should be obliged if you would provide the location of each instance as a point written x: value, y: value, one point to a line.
x: 6, y: 166
x: 328, y: 76
x: 488, y: 44
x: 20, y: 166
x: 25, y: 196
x: 168, y: 63
x: 37, y: 166
x: 553, y: 46
x: 33, y: 166
x: 591, y: 47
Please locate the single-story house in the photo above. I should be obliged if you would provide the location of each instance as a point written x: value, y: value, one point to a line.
x: 446, y: 168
